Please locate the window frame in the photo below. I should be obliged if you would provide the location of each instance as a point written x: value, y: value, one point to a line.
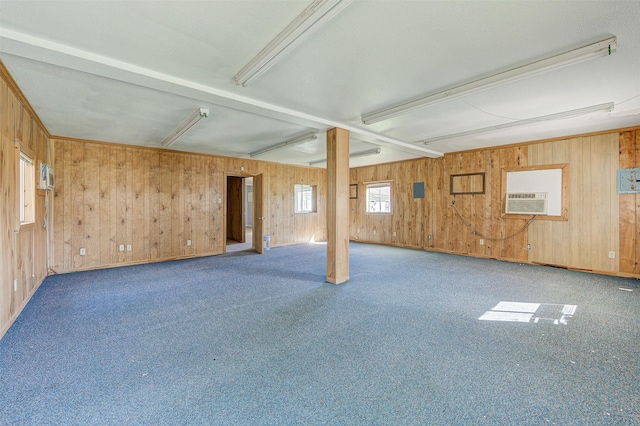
x: 374, y: 185
x: 299, y: 202
x: 27, y: 188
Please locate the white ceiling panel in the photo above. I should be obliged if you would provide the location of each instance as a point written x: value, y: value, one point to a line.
x: 130, y: 72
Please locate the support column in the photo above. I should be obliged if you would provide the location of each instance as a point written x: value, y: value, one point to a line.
x: 337, y: 206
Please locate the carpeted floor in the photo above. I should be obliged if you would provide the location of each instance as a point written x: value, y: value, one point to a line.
x: 245, y: 339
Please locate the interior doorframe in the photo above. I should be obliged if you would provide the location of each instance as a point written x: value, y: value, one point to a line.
x: 254, y: 214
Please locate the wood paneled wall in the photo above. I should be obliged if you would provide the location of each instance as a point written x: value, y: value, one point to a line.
x: 23, y: 248
x: 592, y: 231
x: 432, y: 222
x: 108, y: 196
x: 600, y: 220
x: 629, y: 207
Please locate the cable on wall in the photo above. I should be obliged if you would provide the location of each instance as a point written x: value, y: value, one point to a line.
x: 475, y: 232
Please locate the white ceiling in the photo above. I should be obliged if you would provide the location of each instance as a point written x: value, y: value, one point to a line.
x: 132, y: 71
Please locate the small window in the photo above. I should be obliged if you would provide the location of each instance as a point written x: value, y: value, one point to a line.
x: 305, y: 198
x: 379, y: 198
x: 27, y: 189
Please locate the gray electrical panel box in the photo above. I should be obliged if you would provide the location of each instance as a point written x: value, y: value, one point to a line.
x: 628, y: 181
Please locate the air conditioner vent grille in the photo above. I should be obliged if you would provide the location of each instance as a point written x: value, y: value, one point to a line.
x: 526, y: 203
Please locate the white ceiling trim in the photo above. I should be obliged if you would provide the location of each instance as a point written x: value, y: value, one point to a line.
x: 35, y: 48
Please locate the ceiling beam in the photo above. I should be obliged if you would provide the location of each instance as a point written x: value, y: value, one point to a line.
x: 38, y: 49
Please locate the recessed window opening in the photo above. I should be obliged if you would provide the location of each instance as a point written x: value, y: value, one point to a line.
x: 379, y: 197
x: 27, y: 189
x: 305, y: 198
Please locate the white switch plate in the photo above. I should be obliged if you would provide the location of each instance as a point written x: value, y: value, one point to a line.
x: 129, y: 247
x: 83, y: 251
x: 121, y: 247
x: 188, y: 242
x: 612, y: 255
x: 394, y: 234
x: 15, y: 285
x: 481, y: 242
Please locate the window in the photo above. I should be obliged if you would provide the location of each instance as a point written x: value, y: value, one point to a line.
x: 379, y: 198
x: 27, y: 189
x: 305, y: 198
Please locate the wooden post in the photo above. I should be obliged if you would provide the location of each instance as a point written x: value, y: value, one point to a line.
x: 337, y: 206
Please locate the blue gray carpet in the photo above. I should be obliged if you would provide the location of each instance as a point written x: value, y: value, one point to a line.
x: 244, y: 339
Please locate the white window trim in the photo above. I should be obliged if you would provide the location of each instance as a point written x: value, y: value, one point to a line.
x: 381, y: 184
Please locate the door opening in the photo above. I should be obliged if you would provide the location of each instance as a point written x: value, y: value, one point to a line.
x: 242, y: 215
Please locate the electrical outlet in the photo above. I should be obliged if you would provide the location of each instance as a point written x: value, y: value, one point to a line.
x: 374, y: 232
x: 121, y: 247
x: 129, y: 247
x: 528, y: 246
x: 188, y: 242
x: 481, y: 242
x: 83, y: 251
x: 394, y: 234
x: 612, y: 255
x: 430, y: 237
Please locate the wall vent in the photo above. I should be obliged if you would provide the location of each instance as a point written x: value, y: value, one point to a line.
x: 526, y: 203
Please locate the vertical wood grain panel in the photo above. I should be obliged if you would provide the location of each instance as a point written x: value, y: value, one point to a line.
x: 91, y: 205
x: 627, y: 207
x: 153, y: 215
x: 188, y: 205
x: 164, y: 202
x: 23, y: 257
x: 137, y: 171
x: 177, y: 209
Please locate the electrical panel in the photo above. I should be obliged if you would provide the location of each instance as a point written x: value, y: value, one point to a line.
x: 628, y: 181
x: 46, y: 177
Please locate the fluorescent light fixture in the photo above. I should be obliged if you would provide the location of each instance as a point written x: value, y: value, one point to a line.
x: 312, y: 18
x: 602, y: 48
x: 303, y: 139
x: 557, y: 116
x: 193, y: 119
x: 355, y: 154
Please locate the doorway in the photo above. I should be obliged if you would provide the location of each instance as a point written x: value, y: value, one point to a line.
x: 243, y: 213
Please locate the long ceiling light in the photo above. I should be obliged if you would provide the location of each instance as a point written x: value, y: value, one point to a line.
x: 303, y: 139
x: 602, y: 48
x: 312, y: 18
x: 355, y: 154
x: 193, y: 119
x: 557, y: 116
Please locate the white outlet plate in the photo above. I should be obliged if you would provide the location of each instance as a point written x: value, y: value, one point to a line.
x: 121, y: 247
x: 612, y: 255
x: 481, y: 242
x: 129, y: 247
x: 374, y: 232
x: 188, y: 242
x: 394, y: 234
x: 83, y: 251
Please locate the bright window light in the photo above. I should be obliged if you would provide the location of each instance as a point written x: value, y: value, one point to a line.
x: 379, y: 197
x: 305, y: 198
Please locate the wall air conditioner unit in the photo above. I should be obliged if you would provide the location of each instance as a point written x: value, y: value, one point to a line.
x: 46, y: 177
x: 526, y: 203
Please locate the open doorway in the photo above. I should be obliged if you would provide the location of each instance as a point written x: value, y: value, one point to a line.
x: 240, y: 212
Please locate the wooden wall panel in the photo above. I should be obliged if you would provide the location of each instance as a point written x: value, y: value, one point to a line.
x: 594, y: 228
x: 592, y: 231
x: 154, y: 201
x: 627, y: 206
x: 23, y: 258
x: 433, y: 222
